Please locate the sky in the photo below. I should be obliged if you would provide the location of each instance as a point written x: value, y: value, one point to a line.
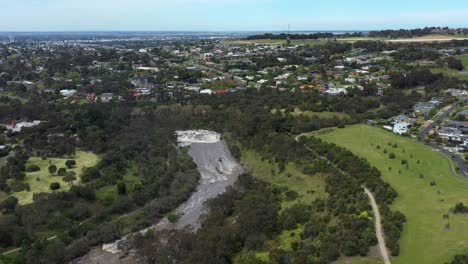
x: 229, y: 15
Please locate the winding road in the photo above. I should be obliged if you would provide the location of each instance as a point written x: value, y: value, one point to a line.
x: 378, y: 228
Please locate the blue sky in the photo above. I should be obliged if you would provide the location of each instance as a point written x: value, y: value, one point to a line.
x: 219, y: 15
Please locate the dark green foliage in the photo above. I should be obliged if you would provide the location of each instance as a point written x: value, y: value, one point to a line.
x: 54, y: 186
x: 460, y: 208
x: 61, y: 172
x: 32, y: 168
x: 173, y: 218
x: 52, y: 169
x: 70, y: 164
x: 121, y: 188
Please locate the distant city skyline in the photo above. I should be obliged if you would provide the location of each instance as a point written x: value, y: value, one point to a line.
x: 228, y: 15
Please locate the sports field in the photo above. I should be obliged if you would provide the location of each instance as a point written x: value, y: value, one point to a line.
x: 428, y: 236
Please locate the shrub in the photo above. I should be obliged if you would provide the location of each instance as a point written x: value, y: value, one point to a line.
x: 173, y: 218
x: 70, y: 163
x: 121, y: 188
x: 54, y: 186
x: 33, y: 168
x: 52, y: 169
x: 61, y: 172
x: 392, y: 156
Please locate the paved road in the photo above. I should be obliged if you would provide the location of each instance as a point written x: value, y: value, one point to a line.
x: 457, y: 158
x: 422, y: 134
x: 378, y: 228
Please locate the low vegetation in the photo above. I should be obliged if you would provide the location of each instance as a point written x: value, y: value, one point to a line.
x: 428, y: 236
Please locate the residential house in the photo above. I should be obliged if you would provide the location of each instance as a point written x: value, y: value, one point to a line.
x: 106, y: 97
x: 401, y: 127
x: 423, y: 108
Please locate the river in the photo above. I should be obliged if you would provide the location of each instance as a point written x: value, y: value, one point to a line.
x: 218, y: 170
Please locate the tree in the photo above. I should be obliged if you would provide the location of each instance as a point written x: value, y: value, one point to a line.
x: 69, y: 177
x: 61, y: 172
x: 52, y: 169
x: 70, y: 163
x: 121, y: 188
x: 54, y: 186
x: 8, y: 204
x: 455, y: 64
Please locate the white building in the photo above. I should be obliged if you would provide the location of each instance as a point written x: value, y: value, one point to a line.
x: 401, y: 127
x: 67, y: 93
x: 206, y: 91
x: 336, y: 91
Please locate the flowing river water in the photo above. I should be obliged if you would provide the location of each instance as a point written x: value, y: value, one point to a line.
x: 218, y: 170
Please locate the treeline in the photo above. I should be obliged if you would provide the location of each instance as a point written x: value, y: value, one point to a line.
x: 142, y: 147
x: 255, y: 206
x: 319, y: 35
x: 418, y: 32
x: 418, y: 76
x: 358, y: 172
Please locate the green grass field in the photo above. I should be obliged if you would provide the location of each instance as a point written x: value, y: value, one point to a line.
x: 107, y: 194
x: 308, y: 187
x: 310, y: 42
x: 359, y: 260
x: 426, y: 238
x: 82, y: 158
x: 298, y: 112
x: 462, y: 75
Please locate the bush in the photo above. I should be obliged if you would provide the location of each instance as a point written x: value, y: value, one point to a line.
x: 392, y: 156
x: 54, y: 186
x: 61, y: 172
x: 173, y: 218
x: 52, y: 169
x: 121, y: 188
x: 291, y: 195
x: 33, y: 168
x: 70, y: 164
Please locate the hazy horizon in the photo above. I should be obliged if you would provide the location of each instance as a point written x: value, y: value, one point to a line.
x: 227, y: 15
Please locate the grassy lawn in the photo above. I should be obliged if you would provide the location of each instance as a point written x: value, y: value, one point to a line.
x: 308, y: 187
x: 82, y: 158
x: 298, y: 112
x: 320, y: 114
x: 107, y: 194
x: 426, y: 238
x: 359, y: 260
x: 462, y: 75
x: 310, y: 42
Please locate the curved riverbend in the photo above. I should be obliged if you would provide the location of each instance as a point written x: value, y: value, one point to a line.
x: 218, y: 170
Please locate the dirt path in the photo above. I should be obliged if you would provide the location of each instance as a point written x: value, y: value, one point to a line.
x: 378, y: 228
